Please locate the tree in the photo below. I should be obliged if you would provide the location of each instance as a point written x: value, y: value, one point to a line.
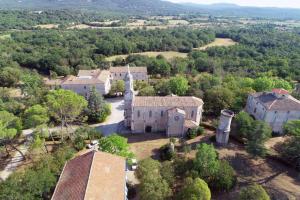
x: 257, y: 137
x: 9, y: 77
x: 65, y: 105
x: 263, y: 84
x: 206, y: 162
x: 225, y: 178
x: 117, y: 86
x: 97, y: 108
x: 217, y: 99
x: 196, y: 189
x: 35, y: 116
x: 115, y: 144
x: 10, y: 126
x: 291, y: 151
x: 178, y: 85
x: 253, y: 192
x: 292, y: 127
x: 244, y: 124
x: 147, y: 91
x: 153, y: 185
x: 167, y: 172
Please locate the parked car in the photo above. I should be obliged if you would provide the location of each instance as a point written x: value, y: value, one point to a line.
x: 93, y: 144
x: 134, y: 164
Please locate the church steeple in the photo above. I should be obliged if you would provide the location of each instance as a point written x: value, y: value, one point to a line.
x: 128, y: 97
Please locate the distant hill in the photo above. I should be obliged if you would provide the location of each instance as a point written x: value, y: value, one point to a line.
x: 153, y: 7
x: 135, y: 6
x: 224, y: 9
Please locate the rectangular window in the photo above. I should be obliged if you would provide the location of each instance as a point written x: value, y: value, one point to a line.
x: 161, y: 113
x: 192, y: 115
x: 138, y: 113
x: 150, y: 113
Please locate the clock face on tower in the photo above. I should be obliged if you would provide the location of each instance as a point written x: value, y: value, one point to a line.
x: 176, y: 118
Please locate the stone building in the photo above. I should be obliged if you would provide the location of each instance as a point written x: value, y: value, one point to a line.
x: 171, y: 114
x: 138, y: 73
x: 84, y: 82
x: 275, y: 108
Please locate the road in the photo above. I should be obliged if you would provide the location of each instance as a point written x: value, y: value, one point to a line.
x: 114, y: 122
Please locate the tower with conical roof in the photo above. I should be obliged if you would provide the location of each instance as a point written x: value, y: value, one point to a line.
x: 128, y: 97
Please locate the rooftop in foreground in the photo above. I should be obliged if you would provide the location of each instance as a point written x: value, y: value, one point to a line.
x: 94, y: 175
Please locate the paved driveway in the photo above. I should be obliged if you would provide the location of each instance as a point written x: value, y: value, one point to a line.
x: 115, y: 121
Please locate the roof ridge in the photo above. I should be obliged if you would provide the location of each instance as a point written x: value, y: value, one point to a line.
x: 91, y: 166
x: 272, y: 103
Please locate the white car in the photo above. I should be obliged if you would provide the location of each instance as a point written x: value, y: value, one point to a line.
x: 93, y: 144
x: 133, y: 164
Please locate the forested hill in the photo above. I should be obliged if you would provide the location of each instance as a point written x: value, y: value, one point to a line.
x: 134, y: 6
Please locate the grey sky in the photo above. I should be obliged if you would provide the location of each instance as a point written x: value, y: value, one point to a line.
x: 261, y: 3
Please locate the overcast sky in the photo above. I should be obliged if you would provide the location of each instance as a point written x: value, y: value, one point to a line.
x: 262, y: 3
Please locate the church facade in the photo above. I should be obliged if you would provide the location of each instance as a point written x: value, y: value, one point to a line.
x: 174, y: 115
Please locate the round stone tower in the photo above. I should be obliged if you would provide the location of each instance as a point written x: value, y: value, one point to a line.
x: 224, y: 127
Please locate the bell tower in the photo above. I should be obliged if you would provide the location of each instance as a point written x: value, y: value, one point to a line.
x: 128, y: 97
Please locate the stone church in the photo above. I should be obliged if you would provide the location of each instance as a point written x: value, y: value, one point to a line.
x: 171, y: 114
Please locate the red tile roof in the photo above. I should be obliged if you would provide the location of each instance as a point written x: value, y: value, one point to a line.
x: 280, y: 91
x: 94, y: 175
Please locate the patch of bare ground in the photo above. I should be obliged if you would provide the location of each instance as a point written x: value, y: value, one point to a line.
x: 146, y: 145
x: 219, y: 42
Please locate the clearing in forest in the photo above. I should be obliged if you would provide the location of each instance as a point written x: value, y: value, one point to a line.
x: 167, y: 54
x: 47, y: 26
x: 219, y: 42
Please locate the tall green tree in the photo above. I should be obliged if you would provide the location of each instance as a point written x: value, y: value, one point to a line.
x: 178, y: 85
x: 97, y: 108
x: 9, y: 76
x: 206, y: 162
x: 115, y: 144
x: 10, y: 126
x: 253, y: 192
x: 196, y: 189
x: 244, y: 124
x: 257, y: 137
x: 292, y: 128
x: 35, y: 116
x: 217, y: 99
x: 65, y: 105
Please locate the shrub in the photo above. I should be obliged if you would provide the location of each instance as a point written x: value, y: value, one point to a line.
x: 225, y: 178
x: 192, y: 133
x: 166, y: 152
x: 195, y: 189
x: 253, y: 192
x: 79, y: 143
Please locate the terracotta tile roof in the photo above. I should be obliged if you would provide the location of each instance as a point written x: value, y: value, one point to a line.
x: 93, y: 73
x: 124, y: 69
x: 281, y: 103
x: 74, y: 178
x: 280, y: 91
x: 86, y: 78
x: 167, y: 101
x: 176, y: 110
x: 53, y: 81
x: 190, y: 124
x: 94, y: 175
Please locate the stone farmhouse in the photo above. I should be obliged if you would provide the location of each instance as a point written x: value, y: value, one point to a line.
x: 171, y: 114
x: 138, y: 73
x: 94, y: 175
x: 100, y: 79
x: 275, y: 108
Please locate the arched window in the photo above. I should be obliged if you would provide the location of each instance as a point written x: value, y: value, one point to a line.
x: 150, y: 113
x: 138, y: 113
x: 161, y: 113
x: 192, y: 115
